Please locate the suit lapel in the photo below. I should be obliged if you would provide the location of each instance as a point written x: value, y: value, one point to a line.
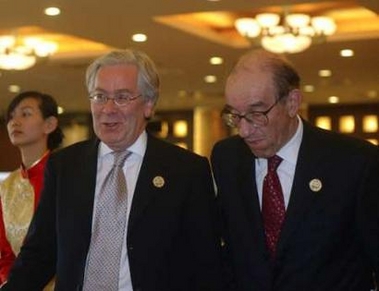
x: 145, y: 191
x: 78, y: 177
x: 249, y: 195
x: 90, y: 173
x: 87, y: 189
x: 246, y: 183
x: 301, y: 194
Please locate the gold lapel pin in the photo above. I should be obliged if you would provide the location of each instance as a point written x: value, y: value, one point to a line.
x: 158, y: 181
x: 315, y: 185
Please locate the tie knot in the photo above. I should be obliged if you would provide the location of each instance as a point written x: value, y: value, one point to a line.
x: 273, y: 163
x: 119, y: 158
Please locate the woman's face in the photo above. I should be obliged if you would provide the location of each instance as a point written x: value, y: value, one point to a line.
x: 26, y: 125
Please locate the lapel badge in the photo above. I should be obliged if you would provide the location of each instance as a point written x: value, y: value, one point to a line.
x: 158, y: 181
x: 315, y: 185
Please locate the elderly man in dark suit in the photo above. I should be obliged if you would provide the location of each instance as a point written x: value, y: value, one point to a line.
x: 299, y: 204
x: 161, y: 239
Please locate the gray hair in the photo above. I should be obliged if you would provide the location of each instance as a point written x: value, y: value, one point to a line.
x: 148, y: 79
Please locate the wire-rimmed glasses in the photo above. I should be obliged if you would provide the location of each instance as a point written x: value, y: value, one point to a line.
x: 256, y: 118
x: 119, y: 98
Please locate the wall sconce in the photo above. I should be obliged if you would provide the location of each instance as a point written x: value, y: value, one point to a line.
x: 180, y: 128
x: 347, y: 124
x: 324, y: 122
x: 370, y: 123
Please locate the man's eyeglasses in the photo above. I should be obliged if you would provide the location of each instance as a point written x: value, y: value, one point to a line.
x: 256, y: 118
x: 120, y: 99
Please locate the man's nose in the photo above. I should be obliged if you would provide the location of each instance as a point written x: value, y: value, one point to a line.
x: 245, y: 128
x: 110, y: 105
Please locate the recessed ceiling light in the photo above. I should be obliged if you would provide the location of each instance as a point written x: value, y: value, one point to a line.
x: 14, y: 88
x: 346, y: 53
x: 333, y: 99
x: 139, y: 37
x: 210, y: 79
x: 372, y: 94
x: 182, y: 93
x: 52, y: 11
x: 216, y: 60
x: 325, y: 73
x: 60, y: 109
x: 309, y: 88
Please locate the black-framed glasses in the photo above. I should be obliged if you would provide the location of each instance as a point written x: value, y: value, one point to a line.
x: 256, y: 118
x: 119, y: 98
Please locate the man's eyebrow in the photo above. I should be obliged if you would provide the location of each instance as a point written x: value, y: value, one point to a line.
x: 251, y: 107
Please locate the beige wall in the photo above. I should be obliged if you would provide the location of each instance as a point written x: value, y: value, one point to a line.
x: 208, y: 128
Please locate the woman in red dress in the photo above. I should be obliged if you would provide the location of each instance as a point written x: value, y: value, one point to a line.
x: 32, y: 123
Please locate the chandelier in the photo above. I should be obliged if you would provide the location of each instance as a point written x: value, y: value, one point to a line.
x: 18, y: 53
x: 291, y: 33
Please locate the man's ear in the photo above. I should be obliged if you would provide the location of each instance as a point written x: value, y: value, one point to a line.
x: 294, y: 102
x: 51, y: 123
x: 149, y: 109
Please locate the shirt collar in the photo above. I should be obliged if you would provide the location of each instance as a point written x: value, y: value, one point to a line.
x: 138, y: 147
x: 290, y: 150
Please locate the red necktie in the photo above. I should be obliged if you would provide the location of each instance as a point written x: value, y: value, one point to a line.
x: 273, y: 209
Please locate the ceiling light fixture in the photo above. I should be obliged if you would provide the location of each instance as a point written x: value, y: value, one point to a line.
x: 291, y: 33
x: 210, y: 79
x: 21, y: 53
x: 216, y: 60
x: 52, y: 11
x: 333, y: 99
x: 325, y: 73
x: 309, y: 88
x: 139, y: 37
x: 346, y: 53
x: 14, y: 88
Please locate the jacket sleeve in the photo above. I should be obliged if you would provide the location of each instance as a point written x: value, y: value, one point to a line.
x: 7, y: 256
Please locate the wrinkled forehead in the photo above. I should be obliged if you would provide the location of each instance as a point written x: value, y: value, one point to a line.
x: 249, y: 82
